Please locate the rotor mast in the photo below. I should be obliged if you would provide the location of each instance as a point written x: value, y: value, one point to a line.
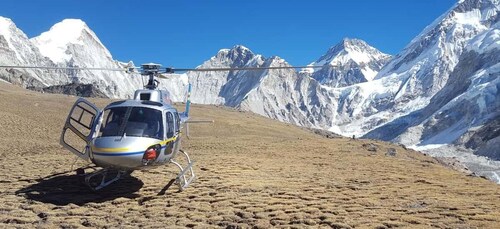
x: 151, y: 70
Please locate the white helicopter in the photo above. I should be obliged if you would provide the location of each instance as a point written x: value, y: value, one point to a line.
x: 127, y: 135
x: 135, y: 134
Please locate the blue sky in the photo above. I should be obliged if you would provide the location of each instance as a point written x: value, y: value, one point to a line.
x: 185, y: 33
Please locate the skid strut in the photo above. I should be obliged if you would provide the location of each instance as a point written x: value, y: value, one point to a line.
x: 102, y: 178
x: 186, y: 175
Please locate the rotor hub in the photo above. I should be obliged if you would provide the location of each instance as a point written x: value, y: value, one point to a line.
x: 151, y: 70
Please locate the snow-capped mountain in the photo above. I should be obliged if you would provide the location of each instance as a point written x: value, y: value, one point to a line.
x: 290, y: 97
x: 467, y: 109
x: 222, y: 87
x: 283, y: 94
x: 409, y: 81
x: 16, y: 49
x: 449, y: 75
x: 350, y: 62
x: 72, y: 43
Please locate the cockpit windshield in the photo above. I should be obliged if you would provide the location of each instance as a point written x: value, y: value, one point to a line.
x: 132, y: 121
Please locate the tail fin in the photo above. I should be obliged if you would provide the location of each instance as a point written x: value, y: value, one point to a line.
x: 185, y: 115
x: 188, y: 101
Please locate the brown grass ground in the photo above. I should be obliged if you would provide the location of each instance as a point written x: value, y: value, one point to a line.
x: 252, y: 172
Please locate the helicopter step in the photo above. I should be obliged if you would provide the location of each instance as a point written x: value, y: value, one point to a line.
x: 186, y: 175
x: 103, y: 177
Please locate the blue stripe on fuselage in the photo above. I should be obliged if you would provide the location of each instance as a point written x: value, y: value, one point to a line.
x: 118, y: 154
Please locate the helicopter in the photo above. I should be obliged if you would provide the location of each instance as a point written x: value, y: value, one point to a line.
x: 135, y: 134
x: 139, y: 133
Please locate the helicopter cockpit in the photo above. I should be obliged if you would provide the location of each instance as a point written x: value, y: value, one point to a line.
x: 132, y: 121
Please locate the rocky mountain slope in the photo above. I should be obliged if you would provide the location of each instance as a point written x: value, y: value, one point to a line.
x: 409, y: 81
x: 16, y: 49
x: 72, y: 43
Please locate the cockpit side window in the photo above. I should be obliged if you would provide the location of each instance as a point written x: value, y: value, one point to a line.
x: 178, y: 121
x: 170, y: 125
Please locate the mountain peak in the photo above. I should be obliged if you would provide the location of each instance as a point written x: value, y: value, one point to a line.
x: 67, y: 30
x: 6, y: 26
x: 351, y: 48
x: 277, y: 61
x: 71, y: 25
x: 5, y: 22
x: 241, y: 48
x: 237, y: 56
x: 235, y: 50
x: 54, y: 43
x: 346, y: 42
x: 347, y: 55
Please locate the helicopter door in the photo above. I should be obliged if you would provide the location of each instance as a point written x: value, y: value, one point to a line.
x: 79, y: 129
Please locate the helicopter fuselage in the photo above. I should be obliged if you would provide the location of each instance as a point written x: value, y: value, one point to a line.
x: 128, y: 135
x: 126, y: 130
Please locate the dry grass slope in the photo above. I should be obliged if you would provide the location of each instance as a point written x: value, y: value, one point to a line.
x: 252, y: 172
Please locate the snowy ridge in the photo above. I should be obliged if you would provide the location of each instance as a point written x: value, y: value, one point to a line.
x: 466, y: 109
x: 72, y: 43
x: 54, y: 43
x: 414, y: 76
x: 349, y: 62
x: 18, y: 50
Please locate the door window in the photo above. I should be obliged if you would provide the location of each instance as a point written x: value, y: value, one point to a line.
x: 170, y: 125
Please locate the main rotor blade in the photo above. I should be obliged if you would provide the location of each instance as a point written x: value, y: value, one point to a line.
x: 167, y: 70
x: 242, y: 68
x: 67, y: 68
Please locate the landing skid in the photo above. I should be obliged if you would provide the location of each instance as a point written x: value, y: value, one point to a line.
x: 103, y: 177
x: 186, y: 175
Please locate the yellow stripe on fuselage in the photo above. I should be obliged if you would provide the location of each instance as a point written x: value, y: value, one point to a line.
x: 109, y: 150
x: 168, y: 140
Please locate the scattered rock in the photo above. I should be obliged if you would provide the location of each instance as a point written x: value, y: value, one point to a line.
x: 42, y: 215
x: 391, y: 152
x: 422, y: 181
x: 86, y: 223
x: 142, y: 200
x: 233, y: 227
x: 324, y: 133
x: 370, y: 147
x: 453, y: 164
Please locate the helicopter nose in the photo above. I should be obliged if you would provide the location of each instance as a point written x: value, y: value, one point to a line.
x: 128, y: 153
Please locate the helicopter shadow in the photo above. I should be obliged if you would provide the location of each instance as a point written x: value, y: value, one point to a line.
x: 70, y: 189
